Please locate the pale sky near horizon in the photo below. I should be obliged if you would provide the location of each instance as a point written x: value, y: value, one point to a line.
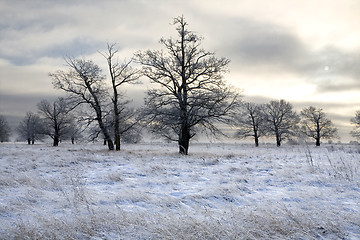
x: 306, y: 52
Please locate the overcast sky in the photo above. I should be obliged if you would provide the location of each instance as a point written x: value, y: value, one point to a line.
x: 306, y: 52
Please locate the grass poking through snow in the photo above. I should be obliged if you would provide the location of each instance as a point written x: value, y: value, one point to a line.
x: 148, y: 191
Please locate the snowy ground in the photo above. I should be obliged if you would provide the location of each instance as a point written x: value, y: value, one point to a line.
x: 149, y: 191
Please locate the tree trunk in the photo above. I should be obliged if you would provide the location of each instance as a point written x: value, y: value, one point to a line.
x: 256, y: 137
x: 56, y: 135
x: 106, y: 136
x: 73, y: 140
x: 56, y: 141
x: 33, y: 141
x: 28, y: 140
x: 116, y: 115
x: 117, y: 129
x: 117, y: 142
x: 104, y: 130
x: 110, y: 145
x: 278, y: 140
x: 318, y: 134
x: 184, y: 140
x: 256, y: 141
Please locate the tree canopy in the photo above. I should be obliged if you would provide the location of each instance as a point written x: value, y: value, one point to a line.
x: 191, y: 93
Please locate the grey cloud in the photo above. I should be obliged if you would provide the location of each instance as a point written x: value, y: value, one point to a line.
x: 36, y: 15
x: 268, y: 47
x: 259, y: 43
x: 14, y: 107
x: 18, y: 104
x: 256, y: 43
x: 76, y: 47
x: 337, y: 70
x: 33, y: 29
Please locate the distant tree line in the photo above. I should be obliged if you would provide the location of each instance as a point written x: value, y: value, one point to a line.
x: 278, y: 119
x: 189, y: 97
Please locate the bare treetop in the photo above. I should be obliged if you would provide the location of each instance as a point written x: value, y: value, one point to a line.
x: 81, y: 81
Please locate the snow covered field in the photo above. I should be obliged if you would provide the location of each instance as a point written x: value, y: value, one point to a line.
x: 149, y: 191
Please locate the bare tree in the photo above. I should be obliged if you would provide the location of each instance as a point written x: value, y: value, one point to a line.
x: 356, y: 122
x: 314, y: 124
x: 120, y: 74
x: 74, y: 131
x: 56, y: 118
x: 4, y: 129
x: 251, y: 122
x: 31, y: 128
x: 84, y: 84
x: 192, y: 92
x: 129, y: 127
x: 281, y: 120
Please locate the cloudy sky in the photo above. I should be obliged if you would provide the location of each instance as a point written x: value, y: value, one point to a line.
x: 306, y: 52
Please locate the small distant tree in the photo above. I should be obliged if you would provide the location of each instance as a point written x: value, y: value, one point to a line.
x: 5, y: 130
x: 314, y: 124
x: 356, y: 122
x: 281, y: 120
x: 74, y: 131
x: 251, y: 122
x: 84, y: 84
x: 31, y: 128
x: 120, y: 74
x: 191, y: 94
x: 56, y: 118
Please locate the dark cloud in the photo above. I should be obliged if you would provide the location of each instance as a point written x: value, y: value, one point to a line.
x: 257, y: 43
x: 19, y: 104
x: 15, y: 106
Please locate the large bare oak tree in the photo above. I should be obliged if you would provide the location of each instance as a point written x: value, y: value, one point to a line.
x: 281, y: 120
x: 191, y: 93
x: 251, y: 122
x: 56, y: 119
x: 316, y: 125
x: 31, y: 128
